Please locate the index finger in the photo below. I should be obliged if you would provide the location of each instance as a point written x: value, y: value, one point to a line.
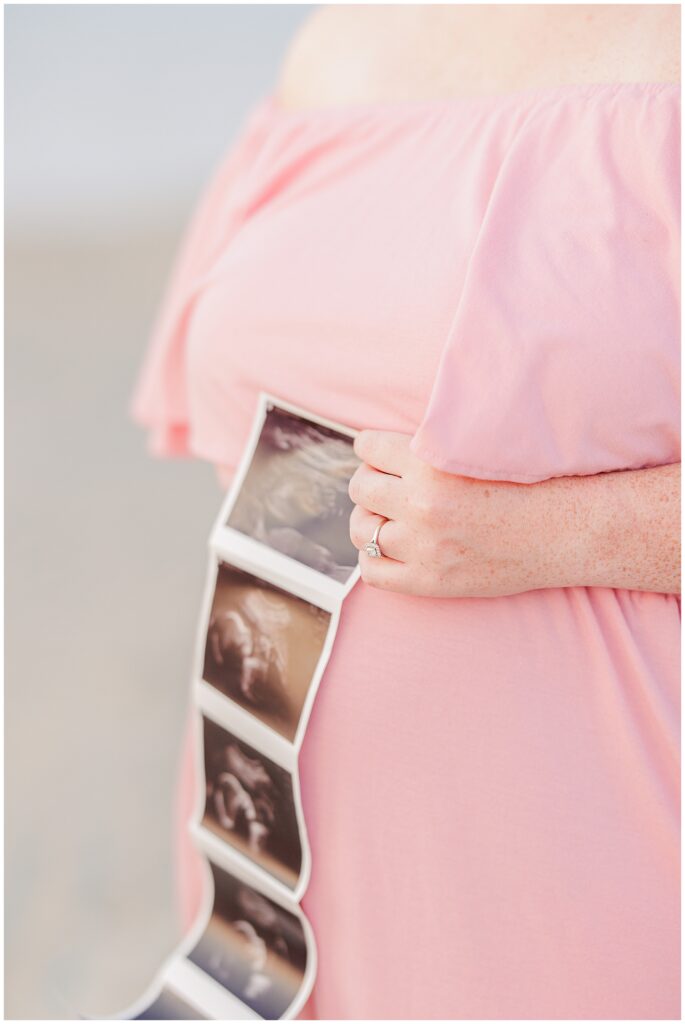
x: 386, y: 450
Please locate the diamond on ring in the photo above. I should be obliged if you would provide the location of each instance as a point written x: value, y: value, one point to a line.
x: 373, y: 549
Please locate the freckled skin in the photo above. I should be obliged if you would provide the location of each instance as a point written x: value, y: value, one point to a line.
x: 454, y: 536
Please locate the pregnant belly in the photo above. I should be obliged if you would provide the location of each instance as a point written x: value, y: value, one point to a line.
x: 494, y: 782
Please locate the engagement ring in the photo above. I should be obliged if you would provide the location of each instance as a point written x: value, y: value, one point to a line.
x: 373, y: 549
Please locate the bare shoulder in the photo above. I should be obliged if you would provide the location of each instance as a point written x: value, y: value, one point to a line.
x: 333, y: 56
x: 348, y: 54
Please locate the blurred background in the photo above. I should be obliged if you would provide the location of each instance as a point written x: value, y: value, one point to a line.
x: 115, y: 117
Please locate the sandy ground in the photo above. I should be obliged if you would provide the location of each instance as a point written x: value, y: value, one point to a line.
x: 105, y: 563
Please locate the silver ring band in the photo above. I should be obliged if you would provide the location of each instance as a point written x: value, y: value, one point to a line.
x: 373, y: 548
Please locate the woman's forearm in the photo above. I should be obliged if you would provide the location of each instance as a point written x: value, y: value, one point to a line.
x: 627, y: 527
x: 455, y: 536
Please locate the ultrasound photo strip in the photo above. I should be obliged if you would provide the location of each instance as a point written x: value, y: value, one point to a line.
x: 284, y: 563
x: 281, y: 563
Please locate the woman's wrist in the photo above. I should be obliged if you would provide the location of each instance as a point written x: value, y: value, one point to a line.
x: 572, y: 526
x: 618, y: 529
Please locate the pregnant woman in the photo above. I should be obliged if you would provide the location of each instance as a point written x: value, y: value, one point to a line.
x: 456, y: 229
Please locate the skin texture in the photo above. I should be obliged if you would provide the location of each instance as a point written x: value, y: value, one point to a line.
x: 451, y: 535
x: 345, y: 55
x: 445, y: 535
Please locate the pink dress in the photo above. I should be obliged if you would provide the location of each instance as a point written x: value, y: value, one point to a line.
x: 490, y: 784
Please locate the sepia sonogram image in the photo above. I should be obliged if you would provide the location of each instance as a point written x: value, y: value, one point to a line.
x: 252, y: 946
x: 262, y: 647
x: 294, y: 497
x: 250, y: 803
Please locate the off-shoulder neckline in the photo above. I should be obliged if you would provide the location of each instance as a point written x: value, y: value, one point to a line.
x: 477, y: 101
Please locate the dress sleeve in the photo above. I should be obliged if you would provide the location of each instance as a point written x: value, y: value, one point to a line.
x: 563, y: 356
x: 159, y: 402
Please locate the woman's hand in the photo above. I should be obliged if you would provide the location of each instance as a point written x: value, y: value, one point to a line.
x: 455, y: 536
x: 447, y: 535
